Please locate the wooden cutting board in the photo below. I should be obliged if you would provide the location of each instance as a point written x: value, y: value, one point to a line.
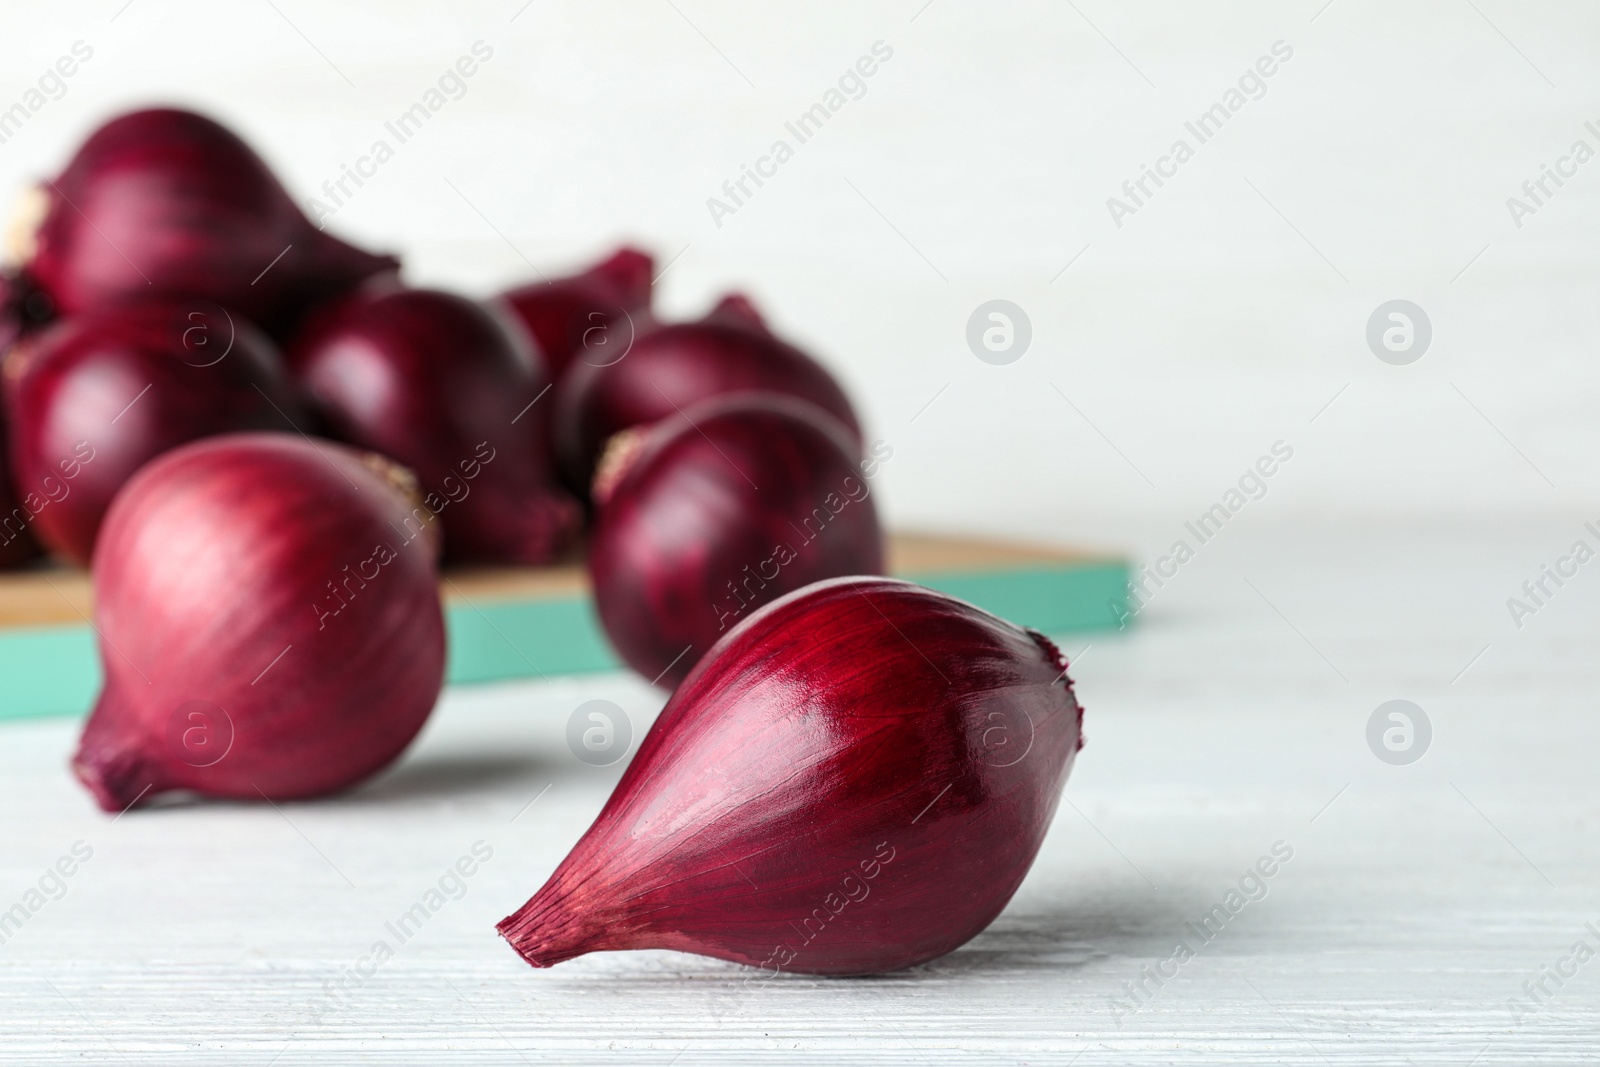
x: 508, y: 623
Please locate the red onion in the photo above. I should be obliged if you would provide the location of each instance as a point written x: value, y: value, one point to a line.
x: 94, y: 397
x: 269, y: 624
x: 716, y: 512
x: 170, y: 202
x: 854, y: 780
x: 441, y: 384
x: 671, y: 367
x: 594, y: 313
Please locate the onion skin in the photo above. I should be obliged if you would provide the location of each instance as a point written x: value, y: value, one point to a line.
x: 855, y: 780
x: 720, y: 510
x: 172, y: 203
x: 443, y: 385
x: 218, y: 558
x: 568, y: 316
x: 673, y: 366
x: 82, y: 420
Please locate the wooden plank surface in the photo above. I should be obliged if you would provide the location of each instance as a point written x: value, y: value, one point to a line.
x: 1417, y: 902
x: 505, y: 623
x: 45, y: 596
x: 51, y: 595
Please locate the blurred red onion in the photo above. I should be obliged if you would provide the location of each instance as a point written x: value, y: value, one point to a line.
x: 594, y: 314
x: 94, y: 397
x: 717, y: 511
x: 442, y: 384
x: 673, y: 366
x: 168, y: 202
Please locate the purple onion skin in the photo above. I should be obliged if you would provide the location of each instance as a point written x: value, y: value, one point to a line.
x: 671, y: 367
x: 94, y: 397
x: 722, y: 509
x: 267, y: 627
x: 441, y: 384
x: 170, y: 202
x: 854, y: 780
x: 594, y: 311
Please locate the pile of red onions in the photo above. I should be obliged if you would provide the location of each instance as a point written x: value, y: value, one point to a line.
x: 854, y: 773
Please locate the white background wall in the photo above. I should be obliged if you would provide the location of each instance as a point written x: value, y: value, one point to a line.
x: 1193, y: 337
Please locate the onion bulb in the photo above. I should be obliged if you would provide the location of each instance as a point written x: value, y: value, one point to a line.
x: 441, y: 384
x: 671, y: 367
x: 171, y: 203
x: 708, y: 515
x: 854, y: 780
x: 269, y: 623
x: 93, y: 397
x: 593, y: 314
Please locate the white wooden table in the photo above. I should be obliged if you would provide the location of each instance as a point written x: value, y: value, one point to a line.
x: 1418, y: 901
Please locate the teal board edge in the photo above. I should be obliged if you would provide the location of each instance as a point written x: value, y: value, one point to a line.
x: 55, y: 670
